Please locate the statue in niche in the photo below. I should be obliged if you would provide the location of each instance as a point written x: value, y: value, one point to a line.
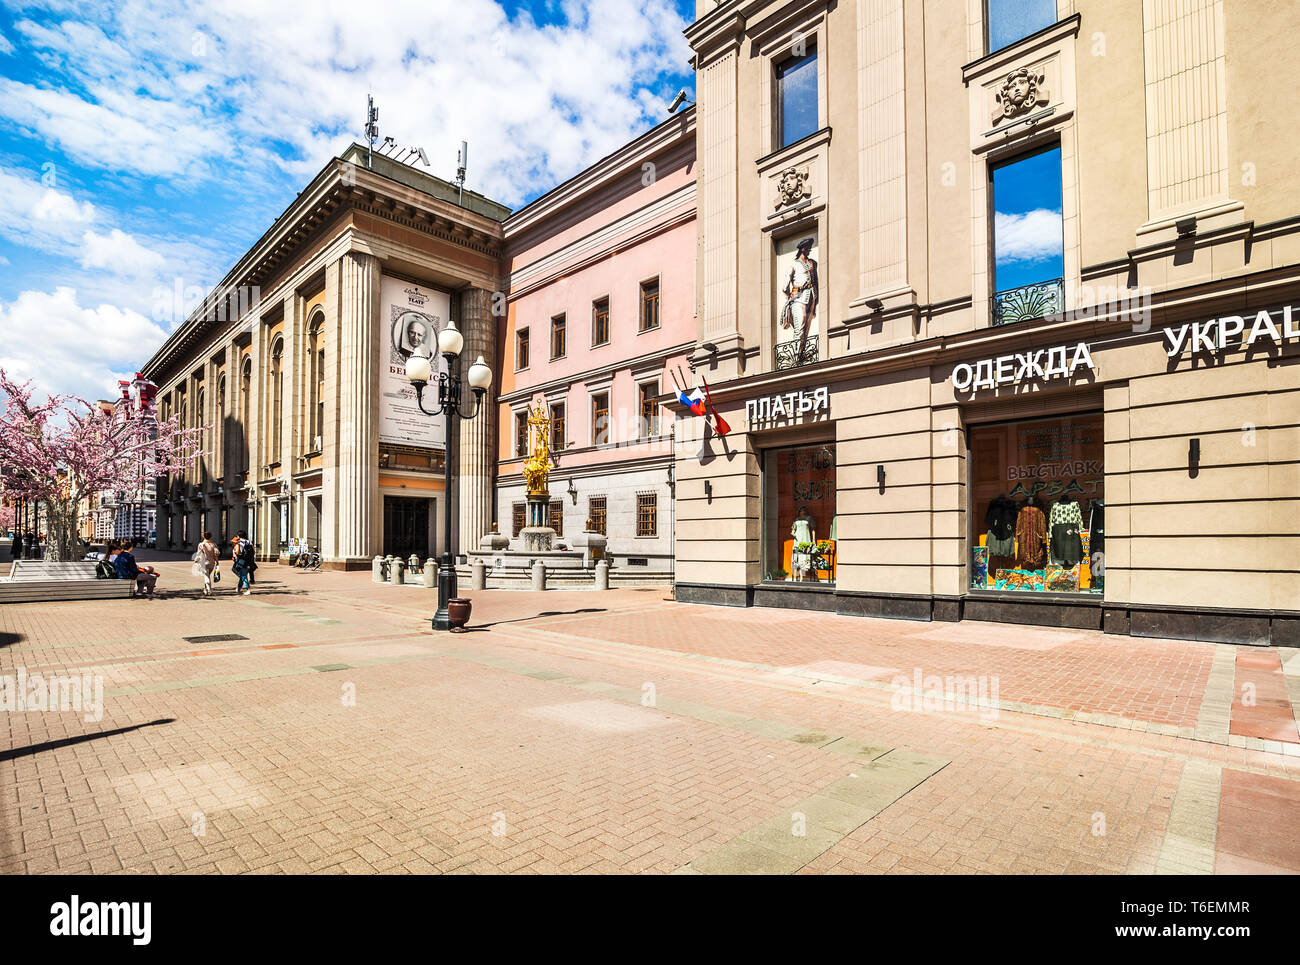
x: 800, y: 290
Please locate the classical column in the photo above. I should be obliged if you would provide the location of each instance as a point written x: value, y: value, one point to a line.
x: 357, y: 477
x: 331, y: 438
x: 477, y: 466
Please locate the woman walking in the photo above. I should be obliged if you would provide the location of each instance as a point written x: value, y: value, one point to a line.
x: 205, y: 560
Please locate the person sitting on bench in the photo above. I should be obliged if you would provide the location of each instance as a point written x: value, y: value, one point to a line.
x: 127, y: 569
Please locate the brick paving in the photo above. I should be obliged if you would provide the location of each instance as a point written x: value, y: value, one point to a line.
x: 576, y: 731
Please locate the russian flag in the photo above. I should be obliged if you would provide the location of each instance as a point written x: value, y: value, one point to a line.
x: 693, y: 400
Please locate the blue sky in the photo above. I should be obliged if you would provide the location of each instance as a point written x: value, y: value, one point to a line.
x: 1027, y: 221
x: 145, y: 145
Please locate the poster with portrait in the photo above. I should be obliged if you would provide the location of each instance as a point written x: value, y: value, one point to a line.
x: 795, y: 300
x: 411, y: 317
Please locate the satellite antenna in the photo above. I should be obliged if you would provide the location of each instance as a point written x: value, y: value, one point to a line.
x: 372, y: 126
x: 462, y: 163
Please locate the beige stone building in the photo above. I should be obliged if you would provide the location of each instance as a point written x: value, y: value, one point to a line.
x: 1040, y: 360
x: 295, y: 362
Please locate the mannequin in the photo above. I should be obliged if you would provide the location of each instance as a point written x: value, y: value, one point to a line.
x: 803, y: 530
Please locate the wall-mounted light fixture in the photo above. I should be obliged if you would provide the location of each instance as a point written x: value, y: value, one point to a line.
x: 1193, y: 457
x: 708, y: 489
x: 1186, y: 227
x: 875, y: 304
x: 880, y: 478
x: 572, y: 491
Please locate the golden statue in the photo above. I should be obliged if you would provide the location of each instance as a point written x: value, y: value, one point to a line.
x: 537, y: 469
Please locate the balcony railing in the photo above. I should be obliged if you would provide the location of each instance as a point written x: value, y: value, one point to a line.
x: 788, y: 355
x: 1043, y: 299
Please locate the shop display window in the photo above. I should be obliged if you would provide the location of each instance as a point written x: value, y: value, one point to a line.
x: 1038, y: 510
x: 799, y: 522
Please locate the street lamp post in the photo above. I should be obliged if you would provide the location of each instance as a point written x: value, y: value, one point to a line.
x: 419, y: 370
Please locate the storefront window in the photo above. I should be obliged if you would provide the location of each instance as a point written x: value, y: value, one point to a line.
x: 1038, y: 506
x: 799, y: 521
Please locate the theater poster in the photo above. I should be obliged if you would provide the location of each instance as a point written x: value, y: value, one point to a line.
x: 411, y: 318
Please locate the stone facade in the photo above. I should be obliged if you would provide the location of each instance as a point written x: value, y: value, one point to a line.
x: 1174, y: 212
x: 284, y: 364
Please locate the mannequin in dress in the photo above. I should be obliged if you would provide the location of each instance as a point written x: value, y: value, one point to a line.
x: 803, y: 531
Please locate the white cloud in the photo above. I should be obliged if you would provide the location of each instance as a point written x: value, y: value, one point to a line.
x: 195, y: 90
x: 1031, y: 236
x: 120, y: 253
x: 67, y: 347
x: 41, y: 217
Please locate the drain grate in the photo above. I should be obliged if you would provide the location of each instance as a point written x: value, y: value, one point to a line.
x: 328, y: 667
x: 215, y: 638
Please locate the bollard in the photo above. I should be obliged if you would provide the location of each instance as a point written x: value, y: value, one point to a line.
x: 479, y: 571
x: 377, y: 569
x: 413, y: 563
x: 602, y: 575
x: 399, y: 571
x: 430, y: 574
x: 539, y: 575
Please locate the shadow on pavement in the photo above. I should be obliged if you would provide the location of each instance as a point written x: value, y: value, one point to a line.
x: 8, y: 639
x: 9, y: 755
x: 538, y: 616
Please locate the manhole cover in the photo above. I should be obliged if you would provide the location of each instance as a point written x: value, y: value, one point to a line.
x: 215, y: 638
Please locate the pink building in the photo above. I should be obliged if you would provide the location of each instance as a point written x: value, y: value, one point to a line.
x: 601, y: 311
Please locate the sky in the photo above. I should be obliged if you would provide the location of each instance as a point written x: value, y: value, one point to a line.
x: 1027, y: 226
x: 145, y: 146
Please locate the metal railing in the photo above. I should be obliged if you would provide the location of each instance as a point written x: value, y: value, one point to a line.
x: 789, y: 356
x: 1043, y: 299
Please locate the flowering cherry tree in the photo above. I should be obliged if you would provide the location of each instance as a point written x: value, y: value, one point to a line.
x: 64, y: 450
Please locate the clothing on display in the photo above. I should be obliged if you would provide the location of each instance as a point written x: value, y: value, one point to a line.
x: 1031, y: 537
x: 1064, y: 524
x: 1001, y: 522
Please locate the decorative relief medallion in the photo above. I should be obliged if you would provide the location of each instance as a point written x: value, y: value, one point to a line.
x: 791, y: 187
x: 1020, y: 93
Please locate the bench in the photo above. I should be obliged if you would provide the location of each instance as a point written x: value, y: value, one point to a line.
x: 38, y: 581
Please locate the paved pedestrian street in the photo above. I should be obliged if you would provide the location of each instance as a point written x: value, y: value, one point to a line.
x: 320, y: 726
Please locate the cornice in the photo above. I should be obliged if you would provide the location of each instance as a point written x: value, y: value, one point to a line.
x: 640, y: 363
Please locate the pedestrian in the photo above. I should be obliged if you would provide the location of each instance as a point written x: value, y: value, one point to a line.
x: 128, y: 569
x: 16, y: 550
x: 244, y: 563
x: 206, y: 558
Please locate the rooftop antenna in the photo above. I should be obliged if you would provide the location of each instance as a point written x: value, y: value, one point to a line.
x: 372, y: 127
x: 462, y: 163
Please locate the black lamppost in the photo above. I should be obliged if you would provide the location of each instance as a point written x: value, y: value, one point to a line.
x: 419, y: 370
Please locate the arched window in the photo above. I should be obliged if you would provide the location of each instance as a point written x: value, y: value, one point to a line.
x: 219, y: 433
x: 245, y: 394
x: 277, y: 397
x: 316, y: 381
x: 199, y: 413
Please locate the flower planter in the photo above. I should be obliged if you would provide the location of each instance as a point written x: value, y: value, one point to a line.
x: 458, y: 611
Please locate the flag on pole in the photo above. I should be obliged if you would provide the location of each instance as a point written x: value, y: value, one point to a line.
x: 720, y: 426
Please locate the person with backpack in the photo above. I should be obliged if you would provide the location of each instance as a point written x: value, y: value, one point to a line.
x: 245, y: 562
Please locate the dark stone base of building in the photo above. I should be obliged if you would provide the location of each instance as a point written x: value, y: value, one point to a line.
x: 1278, y: 628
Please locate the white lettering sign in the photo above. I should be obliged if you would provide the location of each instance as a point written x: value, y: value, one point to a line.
x: 1216, y: 334
x: 788, y: 406
x: 1048, y: 363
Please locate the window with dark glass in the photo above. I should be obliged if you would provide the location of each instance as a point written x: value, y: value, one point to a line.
x: 600, y: 322
x: 1038, y: 505
x: 800, y: 525
x: 647, y: 505
x: 516, y: 518
x: 521, y: 433
x: 649, y: 305
x: 557, y: 427
x: 277, y: 397
x: 649, y: 401
x: 600, y: 418
x: 596, y: 513
x: 555, y: 516
x: 558, y: 325
x: 796, y: 98
x: 521, y: 349
x: 1028, y: 241
x: 1010, y: 20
